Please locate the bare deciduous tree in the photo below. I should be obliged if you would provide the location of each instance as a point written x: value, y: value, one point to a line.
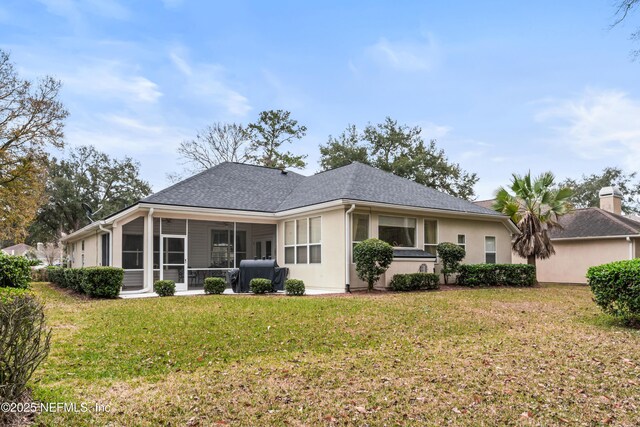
x: 624, y: 8
x: 215, y: 144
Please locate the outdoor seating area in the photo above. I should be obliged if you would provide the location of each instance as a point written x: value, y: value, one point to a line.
x: 189, y: 251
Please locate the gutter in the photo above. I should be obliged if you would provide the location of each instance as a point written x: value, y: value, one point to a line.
x: 347, y: 246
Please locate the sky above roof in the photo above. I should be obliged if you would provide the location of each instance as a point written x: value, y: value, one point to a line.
x: 503, y: 86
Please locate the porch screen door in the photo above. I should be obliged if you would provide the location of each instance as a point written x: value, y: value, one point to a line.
x: 174, y: 259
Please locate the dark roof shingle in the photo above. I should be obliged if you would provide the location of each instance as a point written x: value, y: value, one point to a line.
x: 594, y: 222
x: 254, y: 188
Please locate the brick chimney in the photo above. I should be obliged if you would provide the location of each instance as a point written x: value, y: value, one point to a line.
x: 611, y: 200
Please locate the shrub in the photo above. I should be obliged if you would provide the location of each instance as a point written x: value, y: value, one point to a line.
x: 55, y: 275
x: 451, y: 255
x: 414, y: 281
x: 260, y: 286
x: 73, y: 278
x: 164, y: 288
x: 372, y: 258
x: 24, y: 341
x: 15, y: 271
x: 476, y: 275
x: 294, y: 287
x: 102, y: 282
x: 616, y: 288
x: 214, y: 285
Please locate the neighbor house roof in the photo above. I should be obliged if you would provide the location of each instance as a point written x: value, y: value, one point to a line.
x: 594, y: 222
x: 19, y: 249
x: 240, y: 186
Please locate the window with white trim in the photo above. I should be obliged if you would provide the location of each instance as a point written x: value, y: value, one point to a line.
x: 399, y: 232
x: 302, y: 241
x: 359, y: 228
x: 462, y: 241
x: 431, y: 236
x: 490, y: 249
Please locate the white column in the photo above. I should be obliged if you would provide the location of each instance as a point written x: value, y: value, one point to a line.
x: 148, y: 265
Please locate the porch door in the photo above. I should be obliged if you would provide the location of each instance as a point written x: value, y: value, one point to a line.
x: 174, y: 261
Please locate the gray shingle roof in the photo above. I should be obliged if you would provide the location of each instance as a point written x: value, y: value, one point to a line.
x: 254, y: 188
x: 594, y: 222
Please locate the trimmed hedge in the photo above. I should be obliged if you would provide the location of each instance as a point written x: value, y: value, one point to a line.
x: 214, y: 285
x: 102, y: 282
x: 414, y: 282
x: 260, y: 286
x: 477, y: 275
x: 164, y: 288
x: 294, y: 287
x: 15, y: 271
x: 98, y: 282
x: 616, y: 288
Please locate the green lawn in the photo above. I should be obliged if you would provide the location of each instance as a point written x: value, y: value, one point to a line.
x: 541, y: 356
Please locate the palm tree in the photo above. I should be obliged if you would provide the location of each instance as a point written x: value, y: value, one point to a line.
x: 535, y: 208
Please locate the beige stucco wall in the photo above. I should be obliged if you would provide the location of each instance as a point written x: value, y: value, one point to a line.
x: 574, y: 257
x: 91, y: 251
x: 474, y: 229
x: 330, y: 273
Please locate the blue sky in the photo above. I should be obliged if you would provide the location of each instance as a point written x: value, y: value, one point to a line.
x: 503, y: 86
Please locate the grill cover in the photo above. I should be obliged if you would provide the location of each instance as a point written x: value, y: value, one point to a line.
x: 262, y: 269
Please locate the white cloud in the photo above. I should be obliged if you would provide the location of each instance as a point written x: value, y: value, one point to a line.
x: 411, y: 55
x: 112, y: 80
x: 432, y: 130
x: 596, y: 124
x: 74, y: 11
x: 207, y: 81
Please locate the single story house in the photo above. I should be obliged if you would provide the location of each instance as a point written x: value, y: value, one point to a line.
x: 588, y: 237
x: 205, y: 225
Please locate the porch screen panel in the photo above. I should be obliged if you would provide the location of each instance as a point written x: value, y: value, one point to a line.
x: 133, y: 245
x: 174, y: 226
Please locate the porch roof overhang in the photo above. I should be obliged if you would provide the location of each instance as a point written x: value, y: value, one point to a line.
x: 244, y: 215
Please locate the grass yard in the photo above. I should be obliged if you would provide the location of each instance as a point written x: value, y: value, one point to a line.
x: 541, y: 356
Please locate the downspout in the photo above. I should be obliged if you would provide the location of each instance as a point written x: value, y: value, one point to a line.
x: 347, y: 245
x: 109, y: 232
x: 630, y: 247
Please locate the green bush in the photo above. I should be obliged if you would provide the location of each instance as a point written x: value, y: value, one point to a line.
x: 55, y: 275
x: 294, y: 287
x: 214, y: 285
x: 24, y: 341
x: 102, y: 282
x: 477, y: 275
x: 414, y: 282
x: 451, y: 255
x: 260, y: 286
x: 15, y: 271
x: 616, y: 288
x: 164, y: 288
x: 73, y: 278
x: 372, y: 258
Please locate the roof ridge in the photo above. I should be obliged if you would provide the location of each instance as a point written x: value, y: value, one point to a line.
x: 613, y: 217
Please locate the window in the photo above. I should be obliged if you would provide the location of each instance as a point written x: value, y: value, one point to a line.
x: 359, y: 228
x: 302, y: 241
x: 462, y: 241
x: 105, y: 249
x: 399, y: 232
x: 490, y: 249
x: 431, y: 236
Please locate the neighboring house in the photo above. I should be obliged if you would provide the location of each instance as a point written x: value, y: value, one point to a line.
x: 207, y: 224
x: 588, y: 237
x: 21, y: 249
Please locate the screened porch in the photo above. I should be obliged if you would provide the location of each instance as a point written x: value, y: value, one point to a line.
x: 188, y: 251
